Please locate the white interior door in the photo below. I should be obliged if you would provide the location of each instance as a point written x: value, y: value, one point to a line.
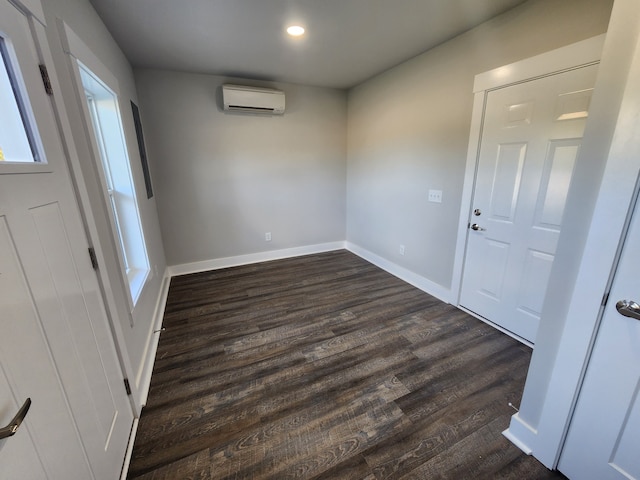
x: 604, y: 437
x: 531, y: 135
x: 56, y: 346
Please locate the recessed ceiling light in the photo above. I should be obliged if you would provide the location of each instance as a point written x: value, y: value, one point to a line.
x: 295, y: 30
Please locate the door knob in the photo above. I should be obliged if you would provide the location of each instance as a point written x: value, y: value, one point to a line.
x: 477, y: 228
x: 628, y: 308
x: 12, y: 428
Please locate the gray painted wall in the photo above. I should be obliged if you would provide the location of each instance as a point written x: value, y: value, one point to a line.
x: 225, y: 179
x: 84, y: 21
x: 408, y: 131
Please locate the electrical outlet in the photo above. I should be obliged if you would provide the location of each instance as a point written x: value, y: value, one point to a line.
x: 435, y: 196
x: 267, y: 237
x: 401, y: 249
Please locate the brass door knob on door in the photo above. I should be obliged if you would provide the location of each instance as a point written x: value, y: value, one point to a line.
x: 14, y: 424
x: 628, y: 308
x: 477, y: 228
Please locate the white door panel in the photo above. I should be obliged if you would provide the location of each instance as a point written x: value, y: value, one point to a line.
x: 56, y: 346
x: 530, y: 140
x: 505, y: 184
x: 604, y: 437
x: 29, y: 372
x: 536, y: 271
x: 18, y: 455
x: 558, y: 168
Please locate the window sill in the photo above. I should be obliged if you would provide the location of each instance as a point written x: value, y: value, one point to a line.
x: 137, y: 278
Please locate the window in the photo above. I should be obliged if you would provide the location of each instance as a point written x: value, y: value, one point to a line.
x: 102, y: 104
x: 17, y: 139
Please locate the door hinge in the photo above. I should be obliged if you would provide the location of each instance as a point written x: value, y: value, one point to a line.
x: 46, y: 80
x: 94, y: 259
x: 127, y: 386
x: 605, y: 299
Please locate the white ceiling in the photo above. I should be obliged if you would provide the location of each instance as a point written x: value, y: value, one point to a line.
x: 347, y: 41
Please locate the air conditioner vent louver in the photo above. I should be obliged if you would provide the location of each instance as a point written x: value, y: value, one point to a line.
x: 238, y: 98
x: 251, y: 109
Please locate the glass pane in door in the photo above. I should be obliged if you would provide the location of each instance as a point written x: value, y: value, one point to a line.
x: 16, y: 136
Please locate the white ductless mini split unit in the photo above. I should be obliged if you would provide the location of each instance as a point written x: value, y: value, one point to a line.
x: 238, y: 98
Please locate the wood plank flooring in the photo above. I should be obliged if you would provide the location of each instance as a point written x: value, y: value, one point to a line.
x: 327, y: 367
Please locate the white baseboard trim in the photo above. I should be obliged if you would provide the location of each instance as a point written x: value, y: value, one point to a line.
x: 507, y: 433
x: 226, y: 262
x: 143, y: 378
x: 127, y: 456
x: 427, y: 286
x: 520, y: 433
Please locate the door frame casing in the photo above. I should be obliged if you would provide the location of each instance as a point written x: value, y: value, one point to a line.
x: 574, y: 307
x: 576, y: 55
x: 604, y: 320
x: 95, y: 210
x: 83, y: 195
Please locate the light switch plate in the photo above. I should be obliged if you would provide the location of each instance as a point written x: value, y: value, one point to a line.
x: 435, y: 196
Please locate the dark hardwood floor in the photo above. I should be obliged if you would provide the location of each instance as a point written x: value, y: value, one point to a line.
x: 327, y: 367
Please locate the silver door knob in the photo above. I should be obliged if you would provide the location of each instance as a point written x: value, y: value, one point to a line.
x: 628, y: 308
x: 12, y: 428
x: 477, y: 228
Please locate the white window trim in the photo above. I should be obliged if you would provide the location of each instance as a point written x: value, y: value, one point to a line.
x: 134, y: 279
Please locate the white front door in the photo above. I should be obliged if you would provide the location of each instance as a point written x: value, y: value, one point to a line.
x: 531, y: 135
x: 56, y: 346
x: 604, y: 437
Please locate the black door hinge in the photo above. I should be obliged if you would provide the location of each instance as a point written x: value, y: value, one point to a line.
x: 127, y: 387
x: 94, y: 259
x: 46, y: 80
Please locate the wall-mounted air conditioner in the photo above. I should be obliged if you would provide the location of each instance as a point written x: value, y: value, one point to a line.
x: 238, y: 98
